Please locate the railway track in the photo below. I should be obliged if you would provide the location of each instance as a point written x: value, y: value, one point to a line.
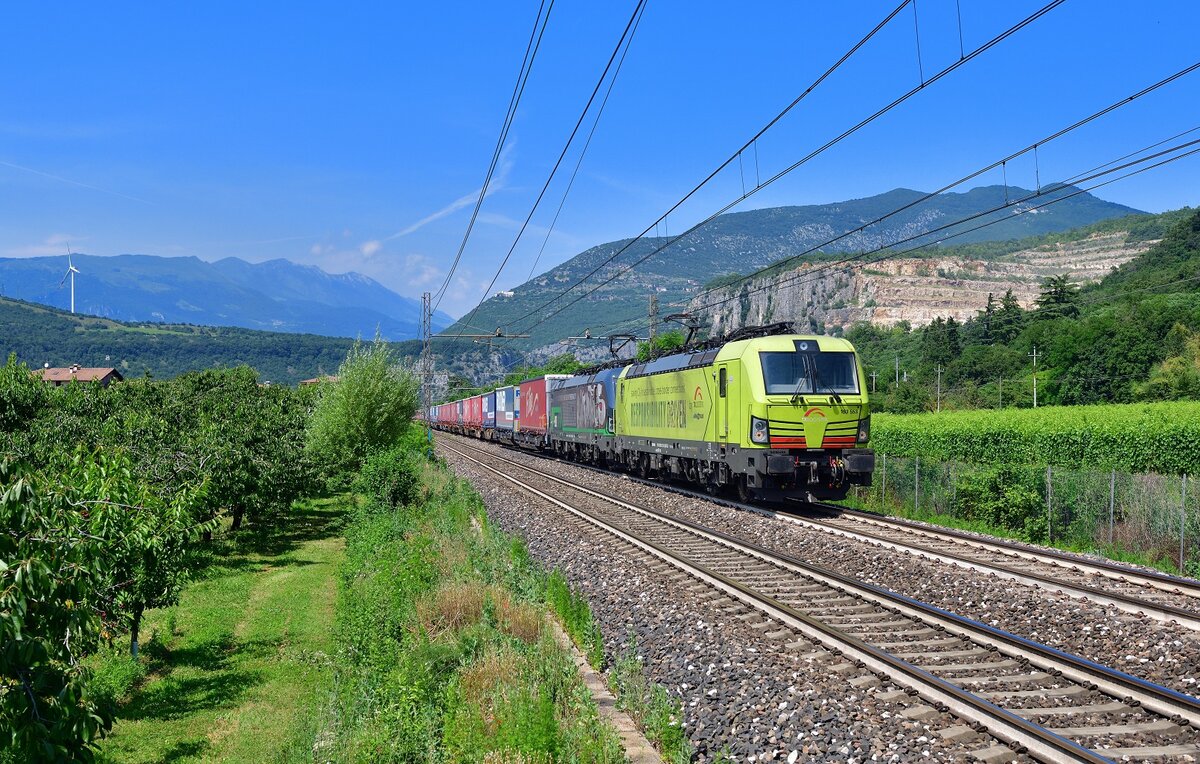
x: 1051, y: 705
x: 1158, y: 595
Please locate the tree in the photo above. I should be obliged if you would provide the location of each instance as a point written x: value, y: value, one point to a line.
x: 1178, y: 376
x: 49, y: 570
x: 662, y: 345
x: 85, y: 548
x: 939, y: 342
x: 987, y: 318
x: 1009, y: 320
x: 367, y: 409
x: 1059, y: 299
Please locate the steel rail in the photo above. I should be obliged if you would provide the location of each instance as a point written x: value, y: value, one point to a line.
x: 1158, y: 579
x: 1113, y: 571
x: 1024, y: 735
x: 1162, y: 700
x: 1127, y: 602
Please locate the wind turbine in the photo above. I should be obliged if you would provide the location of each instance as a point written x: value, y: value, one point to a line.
x: 71, y: 271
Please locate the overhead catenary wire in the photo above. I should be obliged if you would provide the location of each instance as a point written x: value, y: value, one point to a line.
x: 853, y: 261
x: 531, y: 50
x: 622, y: 44
x: 807, y: 276
x: 1001, y: 163
x: 583, y: 152
x: 751, y: 142
x: 782, y: 173
x: 1166, y: 158
x: 1092, y: 173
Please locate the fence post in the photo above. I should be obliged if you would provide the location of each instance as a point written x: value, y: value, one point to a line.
x: 883, y: 487
x: 917, y: 485
x: 1182, y: 519
x: 1112, y: 502
x: 953, y: 492
x: 1049, y: 512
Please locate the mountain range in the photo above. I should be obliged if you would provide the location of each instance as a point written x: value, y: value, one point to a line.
x: 745, y: 241
x: 276, y: 295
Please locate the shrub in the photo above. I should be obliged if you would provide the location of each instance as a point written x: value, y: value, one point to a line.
x: 519, y: 620
x: 572, y: 609
x: 1007, y: 496
x: 391, y: 478
x: 367, y: 409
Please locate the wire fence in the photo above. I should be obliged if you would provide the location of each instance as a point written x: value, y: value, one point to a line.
x: 1154, y: 518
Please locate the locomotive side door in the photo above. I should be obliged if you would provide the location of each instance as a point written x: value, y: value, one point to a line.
x: 723, y: 403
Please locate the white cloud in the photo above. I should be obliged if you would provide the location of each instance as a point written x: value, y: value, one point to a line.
x: 369, y: 248
x: 420, y: 271
x: 54, y: 244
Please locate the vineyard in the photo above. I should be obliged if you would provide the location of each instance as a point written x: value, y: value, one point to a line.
x: 1163, y: 438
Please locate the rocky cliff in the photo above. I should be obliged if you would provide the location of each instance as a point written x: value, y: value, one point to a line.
x: 915, y: 290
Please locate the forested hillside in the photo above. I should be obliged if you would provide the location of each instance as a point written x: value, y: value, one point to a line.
x: 755, y: 239
x: 1135, y: 335
x: 39, y: 335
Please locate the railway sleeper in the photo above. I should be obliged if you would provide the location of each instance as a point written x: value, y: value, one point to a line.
x: 857, y: 622
x: 994, y: 754
x: 986, y: 666
x: 1054, y: 692
x: 970, y: 652
x: 920, y: 712
x: 1095, y: 708
x: 1152, y: 752
x: 1159, y: 727
x: 1036, y: 676
x: 940, y: 642
x: 836, y: 609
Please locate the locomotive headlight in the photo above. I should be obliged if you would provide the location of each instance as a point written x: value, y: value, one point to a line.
x: 758, y: 430
x: 864, y: 430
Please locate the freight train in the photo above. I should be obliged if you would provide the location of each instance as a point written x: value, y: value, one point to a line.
x: 769, y: 418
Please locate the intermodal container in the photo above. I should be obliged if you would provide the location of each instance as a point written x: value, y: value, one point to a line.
x: 535, y: 404
x: 473, y: 413
x: 585, y: 405
x: 506, y: 408
x: 489, y: 411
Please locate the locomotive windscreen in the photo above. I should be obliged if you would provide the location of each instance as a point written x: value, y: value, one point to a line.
x: 809, y: 373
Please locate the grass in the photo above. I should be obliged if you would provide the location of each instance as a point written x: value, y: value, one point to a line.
x: 444, y: 651
x: 1113, y: 552
x: 232, y: 672
x: 655, y: 712
x: 422, y: 634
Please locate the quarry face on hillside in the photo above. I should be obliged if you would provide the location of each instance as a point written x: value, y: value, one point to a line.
x: 916, y: 290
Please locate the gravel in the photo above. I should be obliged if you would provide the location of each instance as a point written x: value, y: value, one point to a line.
x: 1165, y: 653
x: 743, y: 694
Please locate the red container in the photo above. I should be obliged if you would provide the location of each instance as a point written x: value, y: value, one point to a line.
x: 473, y: 413
x: 533, y: 404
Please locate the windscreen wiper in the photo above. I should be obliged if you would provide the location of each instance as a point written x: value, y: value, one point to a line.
x: 818, y: 384
x: 797, y: 395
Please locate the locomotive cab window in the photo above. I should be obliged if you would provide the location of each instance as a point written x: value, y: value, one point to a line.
x: 722, y: 381
x: 809, y: 373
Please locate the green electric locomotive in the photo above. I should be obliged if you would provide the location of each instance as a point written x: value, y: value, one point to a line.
x: 775, y: 417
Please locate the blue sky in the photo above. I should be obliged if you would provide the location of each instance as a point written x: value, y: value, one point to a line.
x: 347, y: 135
